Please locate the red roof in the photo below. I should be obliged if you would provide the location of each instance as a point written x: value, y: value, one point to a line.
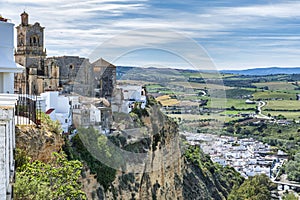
x: 50, y: 111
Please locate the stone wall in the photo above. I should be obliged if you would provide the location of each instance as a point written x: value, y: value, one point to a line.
x: 68, y: 67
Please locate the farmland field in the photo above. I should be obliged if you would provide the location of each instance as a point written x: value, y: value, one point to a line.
x: 199, y: 85
x: 236, y: 112
x: 228, y: 103
x: 273, y: 95
x: 166, y: 100
x: 202, y: 117
x: 283, y: 105
x: 289, y: 115
x: 276, y: 85
x: 206, y: 75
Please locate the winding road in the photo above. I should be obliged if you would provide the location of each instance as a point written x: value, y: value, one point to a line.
x: 259, y: 115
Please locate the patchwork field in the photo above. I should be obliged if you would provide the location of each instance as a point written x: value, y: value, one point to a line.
x: 173, y: 88
x: 287, y: 114
x: 276, y: 85
x: 206, y: 75
x: 193, y: 85
x: 238, y: 104
x: 189, y: 117
x: 268, y: 95
x: 283, y: 105
x: 166, y: 100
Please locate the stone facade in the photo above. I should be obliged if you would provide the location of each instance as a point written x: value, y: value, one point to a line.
x: 30, y: 53
x: 66, y: 73
x: 68, y: 67
x: 105, y: 78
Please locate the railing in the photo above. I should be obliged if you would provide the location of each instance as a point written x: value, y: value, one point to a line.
x: 28, y: 110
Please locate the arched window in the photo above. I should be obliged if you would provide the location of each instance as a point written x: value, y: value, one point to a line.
x: 21, y: 40
x: 34, y: 41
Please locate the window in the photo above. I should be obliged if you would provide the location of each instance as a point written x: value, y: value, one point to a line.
x: 66, y: 120
x: 34, y: 41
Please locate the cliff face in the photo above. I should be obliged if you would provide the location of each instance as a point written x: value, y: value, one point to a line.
x: 203, y: 179
x: 39, y: 142
x: 160, y: 176
x: 171, y: 170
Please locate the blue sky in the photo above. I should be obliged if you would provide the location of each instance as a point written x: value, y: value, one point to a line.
x: 235, y: 35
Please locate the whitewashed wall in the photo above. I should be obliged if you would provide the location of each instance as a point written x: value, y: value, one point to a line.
x: 7, y: 65
x: 7, y: 145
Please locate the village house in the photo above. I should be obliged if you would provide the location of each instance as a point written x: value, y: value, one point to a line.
x: 92, y: 112
x: 248, y: 156
x: 57, y: 107
x: 126, y: 97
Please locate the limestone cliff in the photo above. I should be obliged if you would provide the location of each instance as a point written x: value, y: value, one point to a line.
x: 39, y: 142
x: 160, y: 175
x: 160, y: 166
x: 169, y: 171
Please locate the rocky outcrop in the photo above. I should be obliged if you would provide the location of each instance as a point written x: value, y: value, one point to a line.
x: 168, y: 169
x: 159, y: 176
x: 38, y: 142
x: 90, y: 185
x: 168, y: 173
x: 203, y: 179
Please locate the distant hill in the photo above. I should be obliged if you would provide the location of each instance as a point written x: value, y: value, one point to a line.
x: 264, y: 71
x: 121, y: 70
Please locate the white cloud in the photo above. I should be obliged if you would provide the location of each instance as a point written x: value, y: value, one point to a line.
x: 75, y: 27
x: 280, y: 10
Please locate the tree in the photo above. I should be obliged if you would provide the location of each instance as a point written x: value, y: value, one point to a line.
x: 255, y: 188
x: 293, y: 168
x: 289, y: 196
x: 98, y: 153
x: 58, y: 180
x: 230, y: 129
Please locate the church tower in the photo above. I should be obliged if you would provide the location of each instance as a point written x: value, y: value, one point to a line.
x: 31, y: 54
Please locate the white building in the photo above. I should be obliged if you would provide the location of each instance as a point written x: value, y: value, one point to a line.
x: 93, y: 113
x: 7, y: 108
x: 7, y: 65
x: 126, y: 96
x: 57, y: 107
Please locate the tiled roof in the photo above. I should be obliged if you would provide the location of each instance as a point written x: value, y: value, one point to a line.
x: 50, y: 111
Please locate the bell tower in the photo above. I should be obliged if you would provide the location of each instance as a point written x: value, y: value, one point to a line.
x: 24, y: 18
x: 31, y: 54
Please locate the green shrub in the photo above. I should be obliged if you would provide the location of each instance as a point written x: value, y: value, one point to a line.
x: 58, y: 180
